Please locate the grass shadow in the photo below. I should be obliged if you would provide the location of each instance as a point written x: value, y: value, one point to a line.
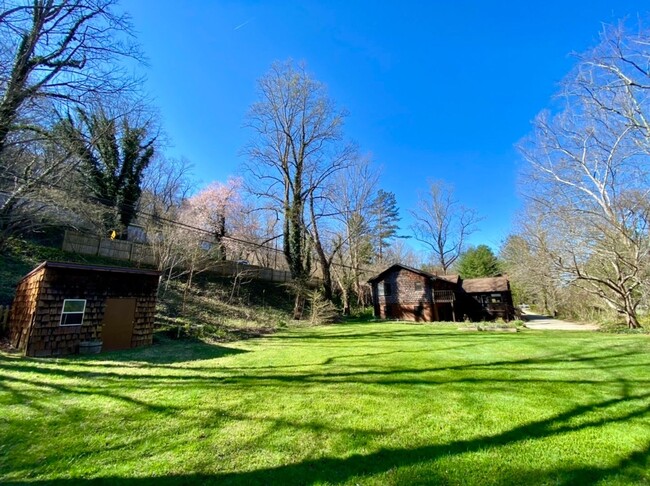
x: 163, y: 352
x: 359, y: 467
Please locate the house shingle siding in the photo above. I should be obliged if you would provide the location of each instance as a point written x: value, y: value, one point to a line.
x: 420, y: 296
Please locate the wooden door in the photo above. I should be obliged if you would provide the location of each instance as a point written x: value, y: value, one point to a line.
x: 117, y: 326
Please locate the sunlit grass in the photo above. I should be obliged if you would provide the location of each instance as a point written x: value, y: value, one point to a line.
x: 353, y: 404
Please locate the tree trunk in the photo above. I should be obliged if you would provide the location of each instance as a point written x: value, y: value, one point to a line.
x: 632, y: 321
x: 187, y: 288
x: 631, y: 318
x: 345, y: 297
x: 298, y: 306
x: 328, y: 292
x: 325, y: 263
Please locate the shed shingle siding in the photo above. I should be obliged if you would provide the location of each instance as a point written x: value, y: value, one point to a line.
x: 36, y: 312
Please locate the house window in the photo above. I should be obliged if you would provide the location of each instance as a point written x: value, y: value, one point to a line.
x: 388, y: 290
x: 383, y: 289
x: 495, y: 298
x: 73, y: 312
x: 418, y: 286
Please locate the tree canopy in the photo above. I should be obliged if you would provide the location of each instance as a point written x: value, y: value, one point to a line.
x: 588, y: 182
x: 478, y: 262
x: 113, y: 155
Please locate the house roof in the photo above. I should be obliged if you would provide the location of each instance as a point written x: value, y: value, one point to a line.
x: 471, y: 286
x: 450, y: 278
x: 400, y: 266
x: 487, y: 284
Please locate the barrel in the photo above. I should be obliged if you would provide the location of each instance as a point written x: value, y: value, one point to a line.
x: 90, y: 347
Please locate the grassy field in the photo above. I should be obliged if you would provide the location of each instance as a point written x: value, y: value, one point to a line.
x: 351, y: 404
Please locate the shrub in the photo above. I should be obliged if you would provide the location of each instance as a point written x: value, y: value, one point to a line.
x: 322, y: 310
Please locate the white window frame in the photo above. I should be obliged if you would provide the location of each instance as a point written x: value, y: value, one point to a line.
x: 64, y: 313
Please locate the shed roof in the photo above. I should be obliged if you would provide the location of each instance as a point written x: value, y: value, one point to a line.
x: 94, y: 268
x: 487, y: 284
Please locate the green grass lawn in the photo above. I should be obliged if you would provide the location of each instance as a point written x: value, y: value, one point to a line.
x: 353, y: 404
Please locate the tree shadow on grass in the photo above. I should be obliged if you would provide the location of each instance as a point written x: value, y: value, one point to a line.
x: 101, y: 367
x: 358, y: 467
x: 165, y: 352
x: 396, y: 462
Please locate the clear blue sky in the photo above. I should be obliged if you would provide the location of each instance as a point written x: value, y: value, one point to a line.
x: 435, y: 89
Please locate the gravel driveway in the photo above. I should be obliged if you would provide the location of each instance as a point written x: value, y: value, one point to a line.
x: 539, y: 322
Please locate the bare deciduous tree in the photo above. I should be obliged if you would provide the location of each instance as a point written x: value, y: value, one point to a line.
x: 165, y: 184
x: 53, y: 54
x: 400, y: 252
x: 442, y: 223
x: 296, y: 149
x: 356, y: 188
x: 589, y: 177
x: 530, y: 270
x: 65, y: 51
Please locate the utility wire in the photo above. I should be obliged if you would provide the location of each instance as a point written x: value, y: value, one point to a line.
x: 172, y: 222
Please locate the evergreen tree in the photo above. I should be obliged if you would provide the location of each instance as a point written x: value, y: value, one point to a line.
x: 113, y: 156
x: 478, y: 262
x: 385, y: 215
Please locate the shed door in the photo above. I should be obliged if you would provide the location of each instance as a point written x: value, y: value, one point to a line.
x: 117, y: 326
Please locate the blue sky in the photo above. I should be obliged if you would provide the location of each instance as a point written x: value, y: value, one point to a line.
x: 438, y: 89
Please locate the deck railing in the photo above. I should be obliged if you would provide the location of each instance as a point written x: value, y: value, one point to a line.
x: 502, y: 310
x: 444, y: 296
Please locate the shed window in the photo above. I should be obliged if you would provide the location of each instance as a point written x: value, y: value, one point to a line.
x: 418, y: 286
x: 73, y: 312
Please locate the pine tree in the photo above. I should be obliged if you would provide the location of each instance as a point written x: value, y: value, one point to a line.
x: 478, y: 262
x: 385, y: 215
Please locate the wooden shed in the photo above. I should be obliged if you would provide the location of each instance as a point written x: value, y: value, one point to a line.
x: 60, y: 306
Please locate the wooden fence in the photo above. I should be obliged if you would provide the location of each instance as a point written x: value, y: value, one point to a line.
x: 76, y: 242
x: 4, y: 319
x: 230, y: 268
x: 140, y: 252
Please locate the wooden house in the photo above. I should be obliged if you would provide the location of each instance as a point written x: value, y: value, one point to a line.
x: 405, y: 293
x: 492, y: 294
x: 59, y: 307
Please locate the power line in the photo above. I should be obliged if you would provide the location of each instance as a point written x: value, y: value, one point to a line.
x: 172, y: 222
